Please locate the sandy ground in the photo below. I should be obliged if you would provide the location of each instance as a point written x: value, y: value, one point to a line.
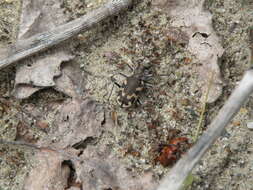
x: 173, y: 101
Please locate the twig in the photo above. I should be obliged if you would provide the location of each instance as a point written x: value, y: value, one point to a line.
x: 42, y: 41
x: 180, y: 171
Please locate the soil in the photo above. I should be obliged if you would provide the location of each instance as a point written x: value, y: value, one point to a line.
x: 173, y: 101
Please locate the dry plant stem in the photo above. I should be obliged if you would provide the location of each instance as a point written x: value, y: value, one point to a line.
x: 251, y: 43
x: 203, y: 108
x: 176, y: 177
x: 42, y: 41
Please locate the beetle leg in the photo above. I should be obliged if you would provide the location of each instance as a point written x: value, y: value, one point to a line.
x: 110, y: 93
x: 138, y: 102
x: 131, y: 68
x: 147, y: 77
x: 114, y: 81
x: 148, y: 84
x: 123, y: 75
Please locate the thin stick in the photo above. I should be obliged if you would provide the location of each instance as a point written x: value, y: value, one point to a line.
x: 180, y: 171
x: 42, y: 41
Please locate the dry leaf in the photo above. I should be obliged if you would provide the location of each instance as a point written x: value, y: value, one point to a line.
x: 43, y: 72
x: 196, y: 22
x: 102, y: 170
x: 39, y: 72
x: 76, y: 121
x: 71, y: 82
x: 95, y: 166
x: 49, y: 173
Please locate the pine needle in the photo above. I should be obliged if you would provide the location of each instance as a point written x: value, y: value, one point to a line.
x: 203, y: 109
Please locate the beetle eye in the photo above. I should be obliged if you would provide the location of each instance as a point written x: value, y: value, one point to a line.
x: 127, y: 105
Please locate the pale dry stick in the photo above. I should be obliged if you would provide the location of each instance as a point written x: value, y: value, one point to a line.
x: 177, y: 175
x: 42, y: 41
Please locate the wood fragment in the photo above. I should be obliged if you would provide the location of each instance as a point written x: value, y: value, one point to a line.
x: 176, y: 177
x: 42, y: 41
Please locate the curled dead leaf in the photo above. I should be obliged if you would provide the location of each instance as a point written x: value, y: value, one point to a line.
x: 196, y: 23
